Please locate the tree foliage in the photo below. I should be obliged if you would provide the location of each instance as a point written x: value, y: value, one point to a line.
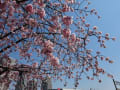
x: 56, y: 32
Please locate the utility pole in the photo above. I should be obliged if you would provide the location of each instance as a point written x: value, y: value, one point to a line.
x: 46, y: 84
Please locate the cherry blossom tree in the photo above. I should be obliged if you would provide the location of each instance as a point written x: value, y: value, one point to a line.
x: 57, y: 32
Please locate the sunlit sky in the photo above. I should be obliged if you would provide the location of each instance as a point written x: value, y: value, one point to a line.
x: 109, y: 10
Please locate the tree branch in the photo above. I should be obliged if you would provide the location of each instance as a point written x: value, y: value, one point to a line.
x: 9, y: 46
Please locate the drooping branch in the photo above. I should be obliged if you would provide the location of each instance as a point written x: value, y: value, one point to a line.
x: 9, y: 46
x: 21, y: 1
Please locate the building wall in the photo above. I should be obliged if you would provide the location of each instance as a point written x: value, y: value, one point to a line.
x: 32, y: 85
x: 24, y: 84
x: 6, y: 62
x: 3, y: 86
x: 46, y: 84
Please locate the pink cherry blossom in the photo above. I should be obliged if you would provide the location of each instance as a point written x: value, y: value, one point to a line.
x: 11, y: 10
x: 107, y: 58
x: 70, y: 1
x: 2, y: 5
x: 66, y: 8
x: 54, y: 18
x: 67, y: 20
x: 48, y: 48
x: 73, y: 37
x: 113, y: 38
x: 54, y: 61
x: 66, y: 33
x: 41, y: 13
x: 35, y: 65
x: 52, y: 28
x: 48, y: 43
x: 87, y: 25
x: 107, y: 34
x: 94, y: 28
x: 29, y: 8
x: 41, y: 3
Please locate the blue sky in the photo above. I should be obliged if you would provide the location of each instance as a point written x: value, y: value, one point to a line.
x: 109, y: 10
